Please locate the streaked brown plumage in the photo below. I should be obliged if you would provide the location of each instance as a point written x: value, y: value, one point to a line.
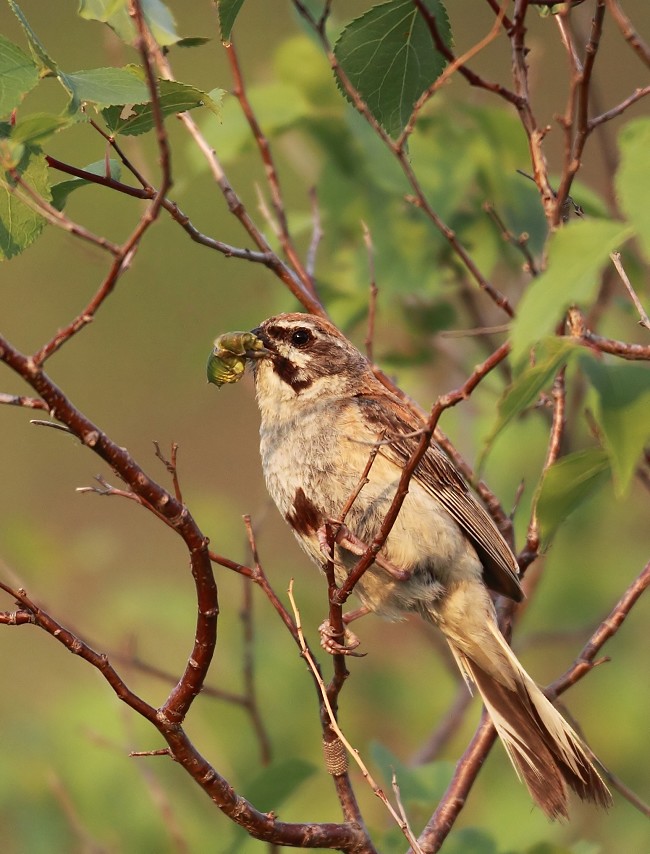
x: 322, y: 409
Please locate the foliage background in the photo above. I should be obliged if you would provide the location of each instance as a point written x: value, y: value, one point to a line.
x: 108, y: 569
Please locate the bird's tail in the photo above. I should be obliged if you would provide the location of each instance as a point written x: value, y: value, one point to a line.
x: 545, y: 751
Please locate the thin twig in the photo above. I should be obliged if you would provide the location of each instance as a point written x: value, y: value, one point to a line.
x: 455, y: 64
x: 372, y: 301
x: 22, y: 400
x: 272, y: 177
x: 520, y: 243
x: 616, y: 260
x: 577, y: 328
x: 628, y: 32
x: 443, y: 402
x: 419, y: 198
x: 172, y: 468
x: 353, y: 752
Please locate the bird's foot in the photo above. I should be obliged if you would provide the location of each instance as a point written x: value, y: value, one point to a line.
x: 330, y: 640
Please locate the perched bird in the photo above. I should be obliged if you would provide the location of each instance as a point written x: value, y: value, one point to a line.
x: 322, y: 411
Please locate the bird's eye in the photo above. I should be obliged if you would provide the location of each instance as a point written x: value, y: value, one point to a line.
x: 301, y: 337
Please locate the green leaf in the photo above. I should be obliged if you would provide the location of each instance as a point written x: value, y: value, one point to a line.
x: 576, y: 255
x: 566, y: 485
x: 525, y: 389
x: 632, y: 177
x: 18, y: 75
x: 62, y: 190
x: 38, y: 127
x: 227, y: 11
x: 275, y: 783
x: 623, y: 413
x: 174, y: 98
x: 45, y: 63
x: 389, y: 57
x: 19, y: 224
x: 193, y: 41
x: 115, y: 13
x: 105, y: 87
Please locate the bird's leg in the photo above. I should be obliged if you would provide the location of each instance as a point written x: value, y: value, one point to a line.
x: 349, y: 541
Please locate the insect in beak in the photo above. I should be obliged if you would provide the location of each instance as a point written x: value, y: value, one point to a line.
x: 227, y: 361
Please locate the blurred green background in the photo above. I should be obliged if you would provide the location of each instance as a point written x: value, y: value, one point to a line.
x: 110, y: 571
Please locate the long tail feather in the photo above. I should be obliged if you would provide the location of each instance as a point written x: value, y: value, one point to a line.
x: 545, y: 751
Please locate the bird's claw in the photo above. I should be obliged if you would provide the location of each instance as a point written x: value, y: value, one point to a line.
x: 330, y: 641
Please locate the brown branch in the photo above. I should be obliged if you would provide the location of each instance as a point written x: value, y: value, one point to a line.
x: 628, y: 32
x: 471, y: 762
x: 337, y: 732
x: 578, y: 330
x: 250, y: 691
x: 148, y: 191
x: 172, y: 468
x: 576, y: 119
x: 639, y: 93
x: 419, y: 198
x: 176, y: 515
x: 21, y: 400
x: 534, y: 133
x: 266, y: 155
x: 36, y: 202
x: 346, y: 837
x: 123, y: 254
x: 531, y: 549
x: 443, y: 402
x: 455, y: 64
x: 520, y: 243
x: 616, y: 260
x: 237, y: 207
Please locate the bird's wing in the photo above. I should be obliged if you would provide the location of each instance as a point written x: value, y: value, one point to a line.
x: 442, y: 481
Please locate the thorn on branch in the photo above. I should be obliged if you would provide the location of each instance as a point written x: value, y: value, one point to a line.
x: 53, y: 424
x: 161, y: 751
x: 170, y: 465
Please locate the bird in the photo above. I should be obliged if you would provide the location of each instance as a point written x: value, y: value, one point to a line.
x: 323, y: 410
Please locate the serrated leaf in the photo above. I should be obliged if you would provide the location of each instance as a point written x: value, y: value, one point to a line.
x: 389, y: 57
x: 525, y: 388
x: 275, y: 783
x: 62, y: 190
x: 19, y: 224
x: 576, y: 255
x: 632, y: 178
x: 566, y: 485
x: 174, y: 98
x: 43, y: 60
x: 115, y: 13
x: 623, y: 414
x: 227, y: 10
x: 18, y: 75
x: 38, y: 127
x: 105, y: 87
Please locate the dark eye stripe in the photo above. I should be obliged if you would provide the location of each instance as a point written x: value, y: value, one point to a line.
x: 286, y: 333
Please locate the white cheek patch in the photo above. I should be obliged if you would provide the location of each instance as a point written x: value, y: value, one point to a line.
x: 299, y: 358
